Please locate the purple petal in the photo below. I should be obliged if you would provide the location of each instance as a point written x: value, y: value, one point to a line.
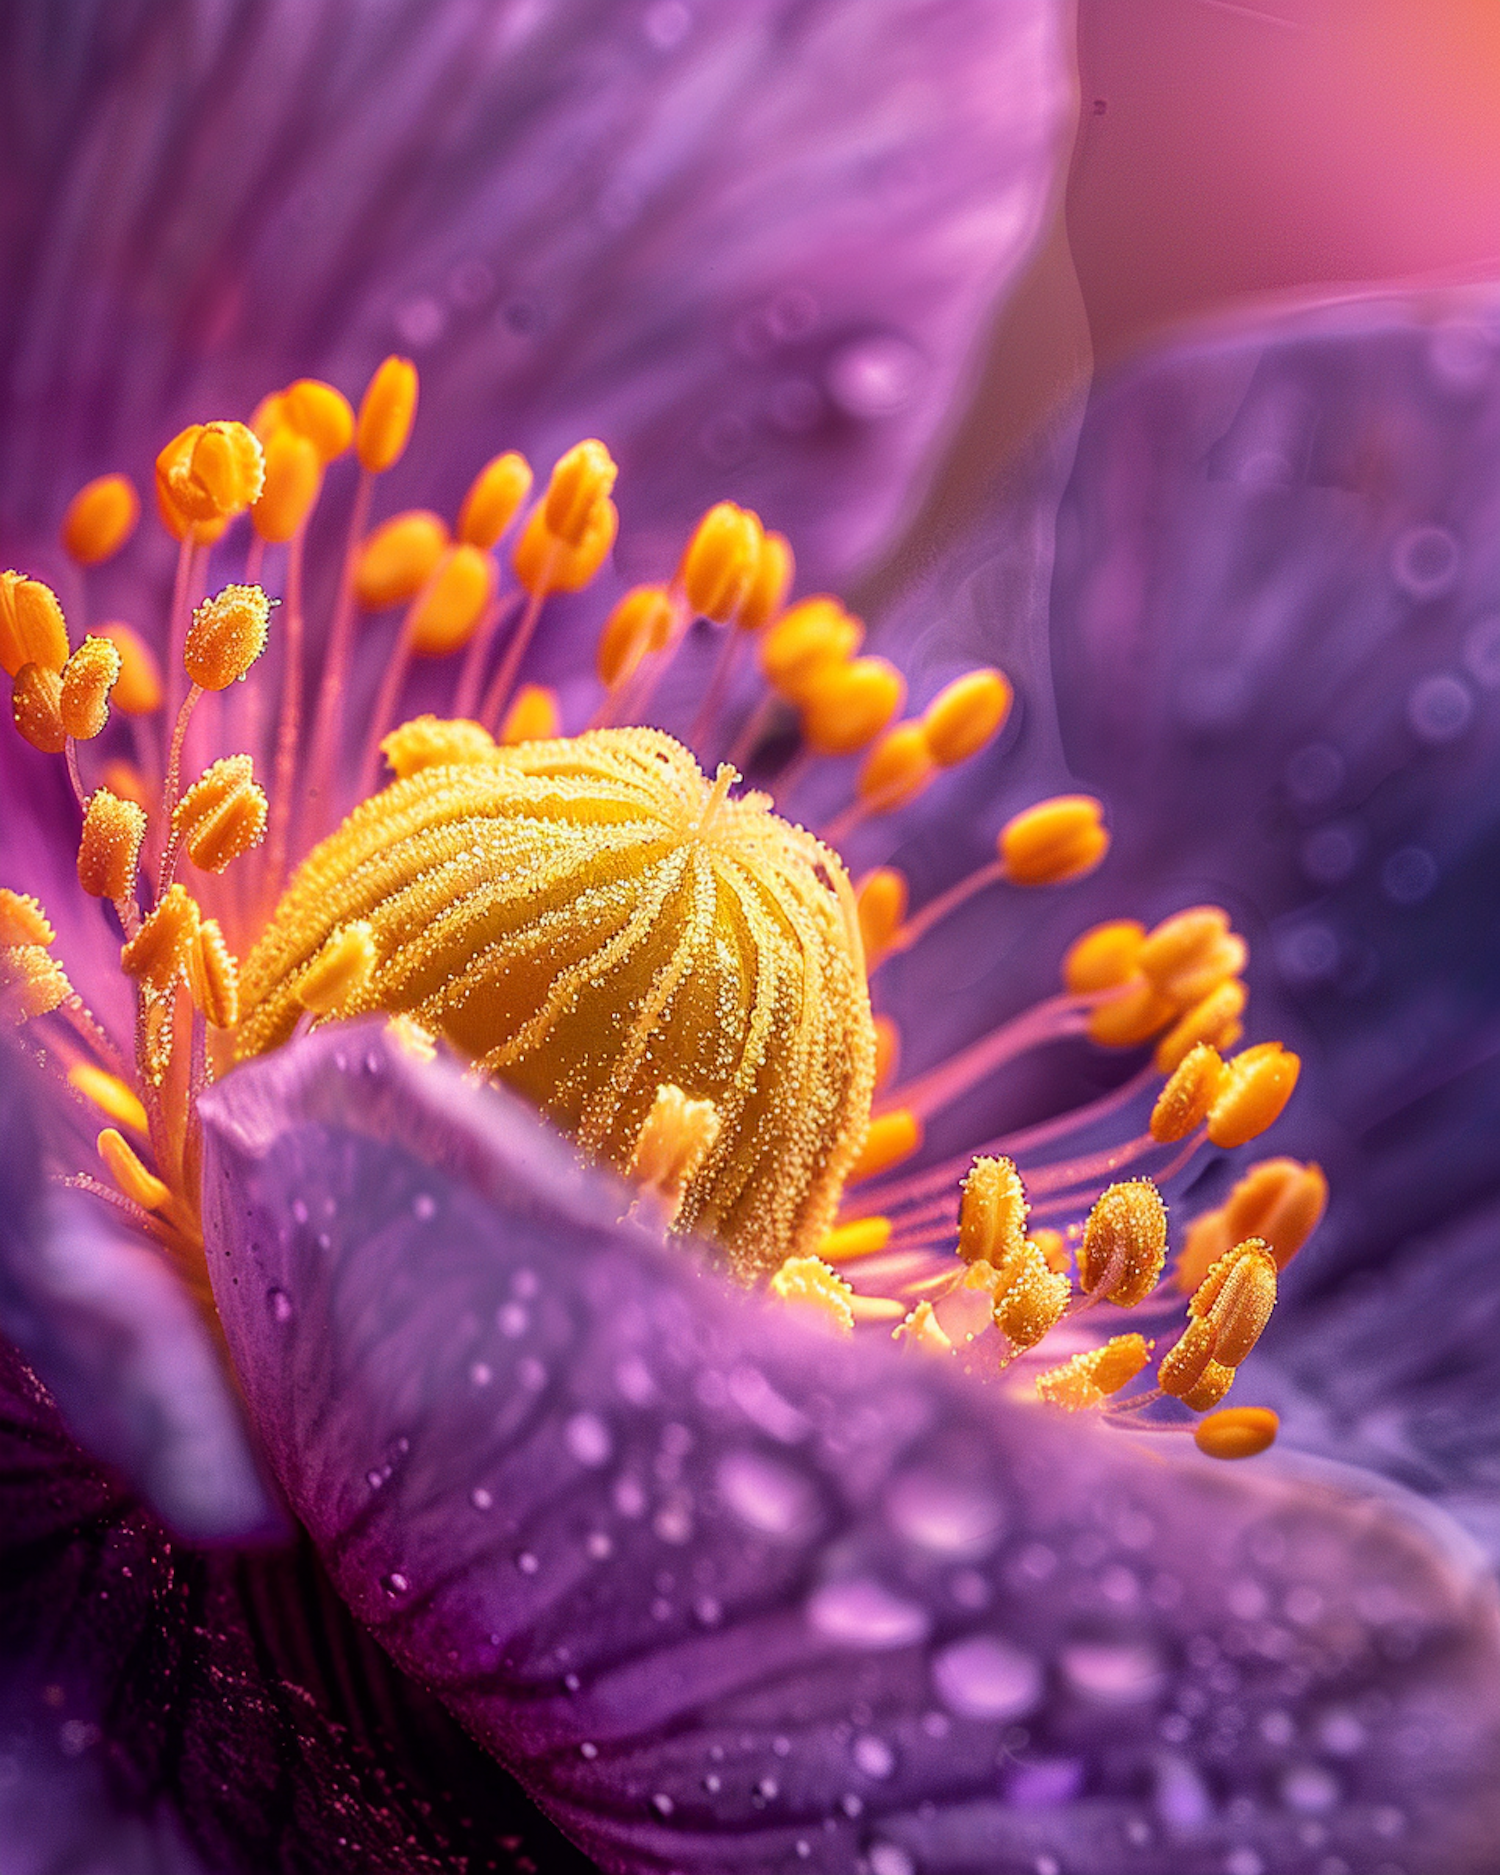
x: 750, y: 246
x: 717, y: 1587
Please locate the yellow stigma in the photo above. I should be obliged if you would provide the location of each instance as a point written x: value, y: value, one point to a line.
x: 590, y: 920
x: 676, y: 1136
x: 721, y: 561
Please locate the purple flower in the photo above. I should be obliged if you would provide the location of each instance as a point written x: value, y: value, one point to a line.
x: 494, y: 1476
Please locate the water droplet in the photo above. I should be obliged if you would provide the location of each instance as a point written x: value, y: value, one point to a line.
x: 629, y: 1498
x: 635, y: 1381
x: 1425, y: 562
x: 299, y: 1210
x: 662, y: 1804
x: 1386, y: 1820
x: 481, y: 1499
x: 1409, y: 875
x: 1439, y: 707
x: 512, y: 1320
x: 395, y: 1583
x: 713, y: 1783
x: 481, y: 1373
x: 767, y: 1789
x: 1310, y: 1790
x: 984, y: 1677
x: 767, y: 1494
x: 527, y: 1563
x: 889, y: 1858
x: 874, y: 376
x: 279, y: 1303
x: 588, y: 1439
x: 851, y: 1804
x: 873, y: 1755
x: 862, y: 1613
x: 1460, y: 354
x: 1113, y: 1673
x: 599, y: 1545
x: 1182, y: 1798
x: 1341, y: 1733
x: 424, y: 1206
x: 375, y: 1479
x: 673, y: 1523
x: 1047, y: 1865
x: 586, y: 1750
x: 571, y: 1682
x: 1244, y: 1861
x: 709, y: 1610
x: 945, y: 1517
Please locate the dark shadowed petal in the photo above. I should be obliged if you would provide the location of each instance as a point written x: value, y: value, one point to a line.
x: 749, y: 245
x: 730, y: 1596
x: 113, y: 1332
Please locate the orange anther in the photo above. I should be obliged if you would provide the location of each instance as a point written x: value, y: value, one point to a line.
x: 294, y: 476
x: 769, y: 584
x: 100, y: 518
x: 882, y: 907
x: 1280, y: 1200
x: 640, y: 623
x: 1138, y: 1012
x: 433, y: 742
x: 1057, y: 840
x: 32, y: 627
x: 319, y: 412
x: 22, y: 920
x: 1033, y: 1301
x: 1189, y: 954
x: 863, y: 1237
x: 532, y: 717
x: 1124, y: 1243
x: 1183, y: 1103
x: 897, y: 769
x: 88, y: 677
x: 32, y: 982
x: 214, y: 977
x: 494, y: 499
x: 109, y: 852
x: 845, y: 706
x: 892, y: 1137
x: 340, y: 971
x: 1089, y: 1378
x: 227, y: 635
x: 109, y: 1094
x: 1237, y: 1432
x: 992, y: 1215
x: 544, y: 563
x: 675, y: 1138
x: 1054, y: 1248
x: 582, y: 478
x: 397, y: 560
x: 1104, y: 957
x: 36, y: 707
x: 1188, y: 1359
x: 386, y: 413
x: 962, y: 718
x: 138, y: 688
x: 450, y: 607
x: 222, y: 815
x: 125, y: 1168
x: 158, y: 953
x: 816, y: 1291
x: 887, y: 1050
x: 125, y: 779
x: 805, y: 641
x: 210, y: 472
x: 1215, y: 1020
x: 1257, y: 1085
x: 1208, y: 1237
x: 721, y: 561
x: 1236, y: 1299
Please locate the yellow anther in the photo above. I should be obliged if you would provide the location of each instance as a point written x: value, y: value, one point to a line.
x: 887, y: 1050
x: 1190, y: 953
x: 129, y: 1174
x: 1211, y: 1386
x: 897, y: 769
x: 882, y: 908
x: 812, y: 637
x: 845, y: 706
x: 722, y: 558
x: 158, y: 953
x: 1054, y: 1248
x: 544, y: 563
x: 109, y: 853
x: 1257, y: 1085
x: 582, y: 478
x: 449, y: 610
x: 32, y: 627
x: 640, y: 623
x: 1237, y: 1432
x: 36, y: 708
x: 1183, y: 1103
x: 1104, y: 957
x: 769, y: 585
x: 1216, y: 1020
x: 1187, y: 1360
x: 676, y: 1137
x: 386, y: 413
x: 210, y: 472
x: 88, y: 678
x: 1124, y: 1243
x: 1033, y: 1302
x: 125, y: 779
x: 138, y: 688
x: 1236, y: 1299
x: 32, y: 982
x: 434, y: 742
x: 1133, y: 1016
x: 533, y: 716
x: 100, y: 518
x: 227, y: 635
x: 214, y: 977
x: 222, y: 815
x: 811, y: 1286
x: 294, y: 477
x: 22, y: 920
x: 922, y: 1330
x: 1279, y: 1200
x: 109, y: 1094
x: 863, y: 1237
x: 1089, y: 1378
x: 340, y: 971
x: 397, y: 560
x: 892, y: 1137
x: 319, y: 412
x: 1056, y: 840
x: 992, y: 1214
x: 494, y: 499
x: 962, y: 718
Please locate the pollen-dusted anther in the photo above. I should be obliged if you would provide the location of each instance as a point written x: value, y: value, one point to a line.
x: 1057, y: 840
x: 992, y: 1214
x: 887, y: 1050
x: 891, y: 1138
x: 222, y: 815
x: 721, y: 560
x: 544, y: 563
x: 138, y: 688
x: 1105, y: 957
x: 1236, y: 1299
x: 1089, y: 1378
x: 1183, y: 1104
x: 1189, y: 954
x: 1187, y: 1360
x: 32, y: 982
x: 1256, y: 1087
x: 1279, y: 1200
x: 533, y: 716
x: 896, y: 770
x: 88, y: 678
x: 446, y: 614
x: 435, y: 742
x: 341, y: 972
x: 1124, y: 1243
x: 1237, y: 1432
x: 769, y: 585
x: 396, y: 561
x: 214, y: 977
x: 1131, y: 1017
x: 1054, y: 1248
x: 676, y: 1136
x: 494, y: 499
x: 861, y: 1237
x: 109, y: 1094
x: 99, y: 519
x: 22, y: 920
x: 820, y: 1292
x: 157, y: 956
x: 845, y: 706
x: 109, y: 852
x: 318, y: 411
x: 1215, y: 1020
x: 1033, y: 1301
x: 294, y: 479
x: 639, y: 623
x: 210, y: 471
x: 965, y: 715
x: 814, y: 636
x: 132, y: 1178
x: 1209, y: 1388
x: 582, y: 478
x: 32, y: 627
x: 882, y: 908
x: 386, y: 413
x: 567, y: 915
x: 36, y: 708
x: 227, y: 635
x: 922, y: 1330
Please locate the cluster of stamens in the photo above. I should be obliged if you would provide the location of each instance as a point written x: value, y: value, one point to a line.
x: 188, y: 839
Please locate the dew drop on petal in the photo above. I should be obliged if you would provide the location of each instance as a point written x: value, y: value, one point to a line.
x: 1425, y: 562
x: 1439, y: 707
x: 481, y: 1499
x: 394, y: 1584
x: 945, y: 1517
x: 588, y: 1439
x: 662, y: 1804
x: 873, y: 1755
x: 481, y: 1373
x: 279, y: 1303
x: 874, y: 376
x: 984, y: 1677
x: 766, y: 1494
x: 424, y: 1206
x: 527, y: 1563
x: 859, y: 1612
x: 889, y: 1858
x: 1310, y: 1790
x: 1113, y: 1673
